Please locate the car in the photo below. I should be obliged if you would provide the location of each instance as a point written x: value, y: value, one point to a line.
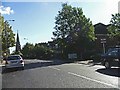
x: 111, y: 57
x: 14, y: 61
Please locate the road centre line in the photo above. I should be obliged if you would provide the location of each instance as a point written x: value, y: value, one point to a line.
x: 88, y: 78
x: 92, y: 80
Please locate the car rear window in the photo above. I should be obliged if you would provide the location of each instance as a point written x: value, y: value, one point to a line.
x: 113, y: 51
x: 13, y: 58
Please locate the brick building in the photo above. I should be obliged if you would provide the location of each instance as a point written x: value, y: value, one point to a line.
x: 101, y: 32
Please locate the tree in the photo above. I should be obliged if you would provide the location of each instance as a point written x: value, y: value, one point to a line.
x: 27, y: 50
x: 73, y: 27
x: 42, y: 51
x: 1, y: 29
x: 38, y: 51
x: 1, y: 24
x: 8, y: 37
x: 114, y: 28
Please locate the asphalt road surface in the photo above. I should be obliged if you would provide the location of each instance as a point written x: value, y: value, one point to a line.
x: 56, y: 74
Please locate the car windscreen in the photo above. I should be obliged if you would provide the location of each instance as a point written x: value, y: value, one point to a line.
x: 13, y: 58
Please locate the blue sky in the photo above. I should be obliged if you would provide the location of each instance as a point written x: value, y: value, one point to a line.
x: 35, y: 21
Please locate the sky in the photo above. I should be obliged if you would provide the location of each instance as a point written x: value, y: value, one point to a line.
x: 35, y: 20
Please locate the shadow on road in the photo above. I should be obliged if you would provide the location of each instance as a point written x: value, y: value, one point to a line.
x: 43, y: 64
x: 112, y: 72
x: 10, y: 70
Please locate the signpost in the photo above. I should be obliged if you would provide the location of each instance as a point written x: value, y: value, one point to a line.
x: 103, y: 41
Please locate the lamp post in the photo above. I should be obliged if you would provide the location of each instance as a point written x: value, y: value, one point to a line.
x: 6, y: 38
x: 103, y: 41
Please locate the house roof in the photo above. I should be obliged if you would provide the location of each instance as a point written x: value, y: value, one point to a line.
x: 101, y: 28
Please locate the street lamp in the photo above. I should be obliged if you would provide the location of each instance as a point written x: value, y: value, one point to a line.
x: 6, y: 37
x: 103, y: 41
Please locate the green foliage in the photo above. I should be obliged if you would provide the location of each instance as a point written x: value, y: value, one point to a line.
x: 1, y: 24
x: 73, y: 28
x: 8, y: 37
x: 38, y: 51
x: 71, y: 20
x: 114, y: 28
x: 27, y: 50
x: 1, y: 29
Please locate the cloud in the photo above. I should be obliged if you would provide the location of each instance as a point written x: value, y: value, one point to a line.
x: 6, y: 10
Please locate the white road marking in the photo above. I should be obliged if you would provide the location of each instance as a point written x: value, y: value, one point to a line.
x: 87, y: 78
x: 92, y: 80
x: 55, y: 68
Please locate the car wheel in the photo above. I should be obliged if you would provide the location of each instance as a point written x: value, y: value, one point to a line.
x: 107, y: 65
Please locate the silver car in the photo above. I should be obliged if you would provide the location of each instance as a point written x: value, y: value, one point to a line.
x: 14, y: 61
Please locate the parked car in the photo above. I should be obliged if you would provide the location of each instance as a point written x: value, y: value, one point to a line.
x: 14, y: 61
x: 111, y: 57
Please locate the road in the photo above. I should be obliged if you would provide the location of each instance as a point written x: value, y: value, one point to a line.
x: 49, y: 74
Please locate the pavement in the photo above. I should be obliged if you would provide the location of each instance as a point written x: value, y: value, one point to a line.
x: 1, y: 64
x: 89, y: 62
x: 85, y: 62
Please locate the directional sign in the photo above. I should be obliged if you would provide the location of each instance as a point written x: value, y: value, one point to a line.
x: 103, y: 40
